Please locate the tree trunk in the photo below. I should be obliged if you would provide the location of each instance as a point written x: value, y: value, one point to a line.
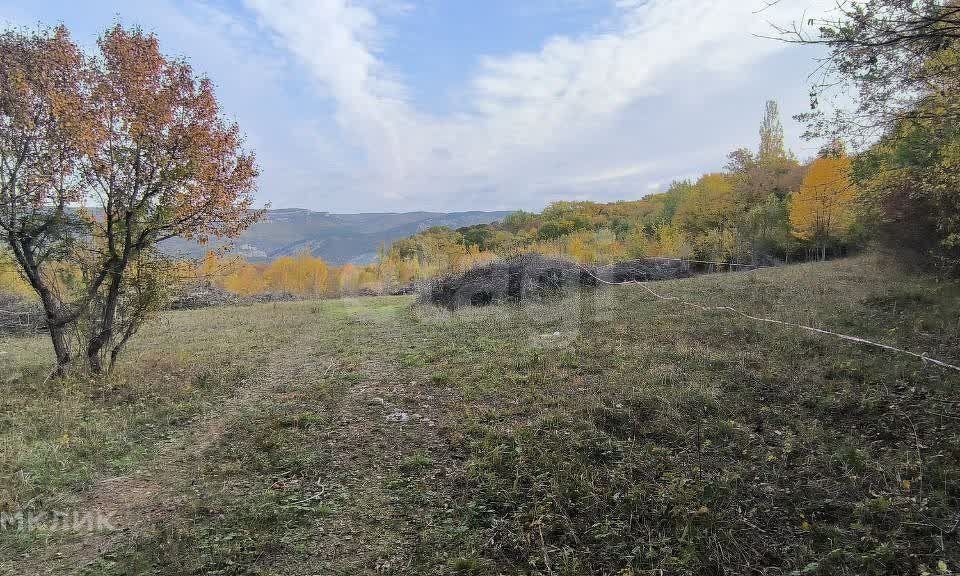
x: 56, y: 324
x: 60, y: 347
x: 115, y: 353
x: 105, y: 334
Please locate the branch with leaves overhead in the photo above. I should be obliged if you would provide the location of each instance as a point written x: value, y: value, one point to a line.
x: 897, y: 58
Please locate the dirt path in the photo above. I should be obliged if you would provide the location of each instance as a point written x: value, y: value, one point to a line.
x: 386, y: 419
x: 139, y: 500
x: 381, y: 424
x: 377, y: 422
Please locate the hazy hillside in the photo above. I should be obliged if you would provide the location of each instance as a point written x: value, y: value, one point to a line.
x: 337, y: 238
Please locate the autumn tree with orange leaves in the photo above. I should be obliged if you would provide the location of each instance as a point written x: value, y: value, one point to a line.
x: 44, y: 134
x: 822, y: 210
x: 165, y: 164
x: 134, y: 137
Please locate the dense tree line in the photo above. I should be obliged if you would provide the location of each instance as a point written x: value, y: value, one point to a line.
x: 301, y: 274
x: 765, y: 206
x: 900, y: 63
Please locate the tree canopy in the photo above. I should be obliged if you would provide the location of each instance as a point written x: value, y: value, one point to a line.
x: 823, y: 209
x: 102, y: 157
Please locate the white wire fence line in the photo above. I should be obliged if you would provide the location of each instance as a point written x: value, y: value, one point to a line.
x: 730, y: 309
x: 732, y: 264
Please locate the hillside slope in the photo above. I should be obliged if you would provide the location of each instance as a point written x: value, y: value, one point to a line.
x: 337, y: 238
x: 608, y: 433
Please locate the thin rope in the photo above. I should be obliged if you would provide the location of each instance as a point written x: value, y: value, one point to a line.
x: 703, y: 308
x: 751, y: 266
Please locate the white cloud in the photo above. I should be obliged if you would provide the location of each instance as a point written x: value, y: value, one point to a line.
x: 613, y: 175
x: 535, y: 122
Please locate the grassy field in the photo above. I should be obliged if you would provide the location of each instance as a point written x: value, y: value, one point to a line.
x: 605, y: 433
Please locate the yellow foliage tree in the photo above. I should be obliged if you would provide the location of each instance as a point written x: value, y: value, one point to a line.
x: 301, y: 274
x: 709, y: 205
x: 369, y: 279
x: 599, y: 246
x: 307, y: 275
x: 579, y: 249
x: 348, y: 279
x: 822, y: 210
x: 245, y: 279
x: 706, y: 213
x: 670, y: 241
x: 637, y: 244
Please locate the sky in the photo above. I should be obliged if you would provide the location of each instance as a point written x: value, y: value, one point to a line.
x: 449, y: 105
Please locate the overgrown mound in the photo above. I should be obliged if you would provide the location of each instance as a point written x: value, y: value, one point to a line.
x: 532, y: 276
x: 511, y: 280
x: 206, y: 295
x: 644, y: 270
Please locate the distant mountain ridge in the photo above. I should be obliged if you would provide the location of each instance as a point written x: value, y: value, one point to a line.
x: 337, y: 238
